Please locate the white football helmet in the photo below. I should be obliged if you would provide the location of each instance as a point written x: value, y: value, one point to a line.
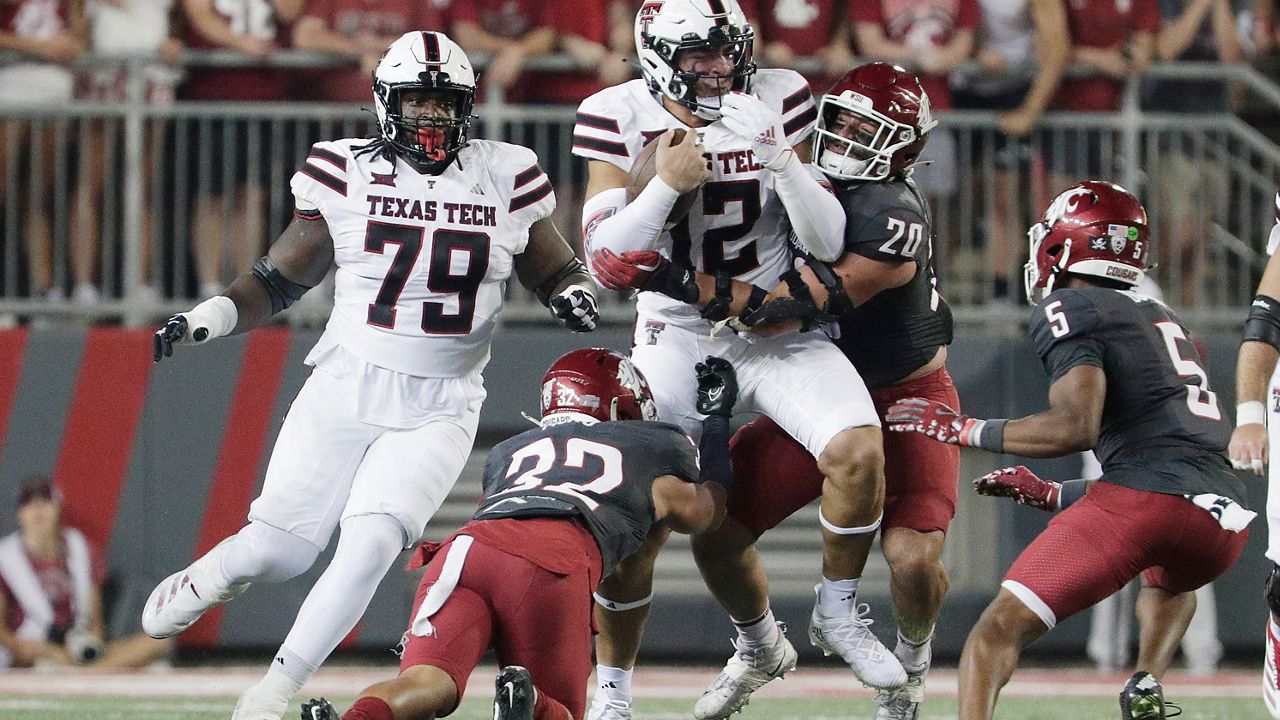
x: 422, y: 60
x: 665, y: 28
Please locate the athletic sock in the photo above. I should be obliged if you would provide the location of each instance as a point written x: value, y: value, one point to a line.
x: 913, y: 655
x: 836, y: 598
x: 613, y: 683
x: 760, y: 632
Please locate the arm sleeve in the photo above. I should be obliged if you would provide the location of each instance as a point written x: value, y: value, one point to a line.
x: 816, y: 216
x: 1062, y: 329
x: 609, y: 221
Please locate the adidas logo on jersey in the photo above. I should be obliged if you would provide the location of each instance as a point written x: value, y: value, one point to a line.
x: 476, y: 190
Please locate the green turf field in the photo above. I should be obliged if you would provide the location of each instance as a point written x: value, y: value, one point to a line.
x: 1053, y: 708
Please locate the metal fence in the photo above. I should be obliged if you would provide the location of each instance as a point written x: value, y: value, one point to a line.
x: 157, y: 205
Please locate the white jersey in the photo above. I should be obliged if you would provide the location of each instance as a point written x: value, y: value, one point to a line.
x: 423, y: 260
x: 738, y: 225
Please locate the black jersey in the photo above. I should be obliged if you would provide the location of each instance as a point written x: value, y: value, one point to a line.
x: 1163, y: 428
x: 900, y: 329
x: 602, y: 473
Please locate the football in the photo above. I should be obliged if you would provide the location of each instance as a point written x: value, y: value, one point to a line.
x: 645, y: 167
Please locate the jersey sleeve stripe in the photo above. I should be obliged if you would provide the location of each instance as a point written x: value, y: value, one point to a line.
x: 604, y: 146
x: 330, y: 157
x: 324, y: 178
x: 521, y: 202
x: 598, y: 122
x: 527, y: 176
x: 307, y: 214
x: 795, y: 100
x: 798, y: 122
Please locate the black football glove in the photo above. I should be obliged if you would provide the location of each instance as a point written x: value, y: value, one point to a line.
x: 575, y: 308
x: 175, y: 328
x: 319, y: 709
x: 717, y: 387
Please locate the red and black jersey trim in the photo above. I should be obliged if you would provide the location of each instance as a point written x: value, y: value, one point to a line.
x: 798, y: 122
x: 597, y: 122
x: 330, y: 157
x: 312, y: 214
x: 649, y: 136
x: 521, y: 202
x: 527, y: 176
x: 604, y: 146
x: 324, y: 178
x: 795, y: 100
x: 431, y: 42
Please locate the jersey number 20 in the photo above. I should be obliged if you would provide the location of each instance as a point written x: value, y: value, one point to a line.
x: 441, y: 278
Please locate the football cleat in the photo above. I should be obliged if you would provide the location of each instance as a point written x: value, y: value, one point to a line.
x: 184, y: 596
x: 603, y: 709
x: 851, y: 638
x: 1270, y: 676
x: 903, y: 703
x: 1143, y: 699
x: 514, y: 696
x: 319, y: 709
x: 747, y: 671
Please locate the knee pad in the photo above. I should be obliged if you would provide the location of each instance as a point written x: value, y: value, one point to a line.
x: 1272, y: 591
x: 262, y: 553
x: 369, y: 541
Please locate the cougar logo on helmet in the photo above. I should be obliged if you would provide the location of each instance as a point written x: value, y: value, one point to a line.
x: 872, y: 124
x: 598, y: 383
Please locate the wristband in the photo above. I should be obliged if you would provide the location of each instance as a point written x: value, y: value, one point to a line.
x: 1072, y: 490
x: 1252, y: 412
x: 990, y: 435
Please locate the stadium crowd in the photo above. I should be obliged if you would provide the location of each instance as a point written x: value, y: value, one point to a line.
x: 1017, y: 58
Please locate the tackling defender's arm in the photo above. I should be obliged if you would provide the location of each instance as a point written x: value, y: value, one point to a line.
x: 549, y: 269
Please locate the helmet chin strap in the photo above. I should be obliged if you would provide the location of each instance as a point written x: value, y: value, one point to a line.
x: 1058, y: 267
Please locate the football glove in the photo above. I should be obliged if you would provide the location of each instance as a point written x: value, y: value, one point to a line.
x: 644, y: 270
x: 319, y: 709
x: 575, y: 308
x: 717, y: 386
x: 935, y: 420
x: 1023, y: 486
x: 752, y: 120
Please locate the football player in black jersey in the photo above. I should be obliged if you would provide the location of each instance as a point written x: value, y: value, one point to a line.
x: 872, y: 125
x: 562, y: 504
x: 1129, y: 384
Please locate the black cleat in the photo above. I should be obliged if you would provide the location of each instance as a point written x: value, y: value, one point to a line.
x: 514, y: 694
x: 1143, y: 699
x: 319, y: 709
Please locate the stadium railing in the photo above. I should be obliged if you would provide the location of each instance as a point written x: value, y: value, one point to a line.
x: 1208, y: 180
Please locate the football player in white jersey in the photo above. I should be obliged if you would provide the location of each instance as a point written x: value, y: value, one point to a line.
x: 746, y: 152
x: 1257, y: 431
x: 425, y: 226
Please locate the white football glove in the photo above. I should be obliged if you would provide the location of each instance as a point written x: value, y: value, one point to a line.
x: 752, y: 120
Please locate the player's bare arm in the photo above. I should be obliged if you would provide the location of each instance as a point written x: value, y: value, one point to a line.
x: 1254, y: 367
x: 296, y: 262
x: 550, y: 270
x: 1071, y: 424
x: 687, y: 507
x: 206, y: 21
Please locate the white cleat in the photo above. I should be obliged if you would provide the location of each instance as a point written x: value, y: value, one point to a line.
x: 851, y: 638
x: 255, y: 706
x: 903, y: 703
x: 747, y: 671
x: 1270, y: 677
x: 609, y: 710
x: 184, y: 596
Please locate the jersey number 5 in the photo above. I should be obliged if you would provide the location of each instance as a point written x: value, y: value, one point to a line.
x: 1200, y: 399
x: 441, y: 276
x: 576, y: 451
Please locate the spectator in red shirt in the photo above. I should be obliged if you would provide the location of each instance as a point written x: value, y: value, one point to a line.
x: 51, y: 593
x: 218, y: 154
x: 1115, y: 38
x: 931, y: 36
x: 360, y: 30
x: 509, y: 31
x: 583, y: 32
x: 817, y: 30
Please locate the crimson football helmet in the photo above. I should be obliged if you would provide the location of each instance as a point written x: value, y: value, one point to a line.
x: 885, y: 112
x: 429, y: 61
x: 665, y: 27
x: 1095, y: 228
x: 597, y: 382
